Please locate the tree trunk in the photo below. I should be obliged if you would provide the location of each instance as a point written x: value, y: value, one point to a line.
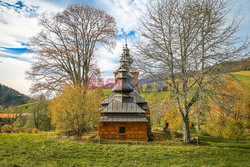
x: 185, y: 126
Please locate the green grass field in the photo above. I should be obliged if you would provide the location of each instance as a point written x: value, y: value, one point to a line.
x: 18, y: 109
x: 41, y: 150
x: 106, y: 92
x: 243, y: 76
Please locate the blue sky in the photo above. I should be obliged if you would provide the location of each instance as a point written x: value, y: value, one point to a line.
x: 19, y: 22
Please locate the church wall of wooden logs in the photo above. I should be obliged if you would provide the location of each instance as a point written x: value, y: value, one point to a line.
x: 132, y: 131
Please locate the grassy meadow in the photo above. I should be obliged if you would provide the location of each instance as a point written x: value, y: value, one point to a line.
x: 243, y: 76
x: 46, y: 150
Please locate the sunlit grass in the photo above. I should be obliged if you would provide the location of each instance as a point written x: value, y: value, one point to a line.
x: 45, y: 150
x: 243, y: 76
x: 106, y: 91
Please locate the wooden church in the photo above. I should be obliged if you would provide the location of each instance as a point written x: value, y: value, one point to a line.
x: 125, y: 115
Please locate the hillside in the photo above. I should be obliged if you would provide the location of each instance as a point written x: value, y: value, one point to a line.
x: 9, y: 96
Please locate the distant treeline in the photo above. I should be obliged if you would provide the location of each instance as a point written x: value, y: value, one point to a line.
x: 235, y: 66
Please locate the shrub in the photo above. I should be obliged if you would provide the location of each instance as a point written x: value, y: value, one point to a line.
x: 229, y: 129
x: 18, y: 123
x: 29, y: 122
x: 204, y: 133
x: 7, y: 129
x: 28, y: 130
x: 34, y: 130
x: 233, y: 130
x: 214, y: 129
x: 31, y: 130
x: 21, y: 130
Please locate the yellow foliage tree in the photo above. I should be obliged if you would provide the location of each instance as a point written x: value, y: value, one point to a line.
x: 172, y: 116
x: 75, y: 110
x: 229, y: 112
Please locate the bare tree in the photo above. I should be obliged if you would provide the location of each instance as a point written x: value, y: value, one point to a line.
x: 183, y: 43
x: 66, y: 45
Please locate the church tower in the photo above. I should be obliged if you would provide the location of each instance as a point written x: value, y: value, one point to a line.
x: 125, y: 114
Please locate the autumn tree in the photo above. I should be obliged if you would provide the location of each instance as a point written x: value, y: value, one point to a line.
x: 229, y: 113
x: 182, y: 42
x: 41, y: 116
x: 171, y: 116
x: 65, y: 48
x: 75, y: 112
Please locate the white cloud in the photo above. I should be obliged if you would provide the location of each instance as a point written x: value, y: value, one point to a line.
x: 12, y: 74
x: 126, y: 12
x: 109, y: 62
x: 16, y: 26
x: 18, y: 29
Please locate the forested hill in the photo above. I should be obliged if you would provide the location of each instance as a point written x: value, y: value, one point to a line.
x: 9, y: 96
x: 235, y: 66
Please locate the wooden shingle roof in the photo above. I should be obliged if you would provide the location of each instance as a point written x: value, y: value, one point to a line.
x: 123, y: 118
x: 124, y: 104
x: 116, y: 106
x: 136, y: 97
